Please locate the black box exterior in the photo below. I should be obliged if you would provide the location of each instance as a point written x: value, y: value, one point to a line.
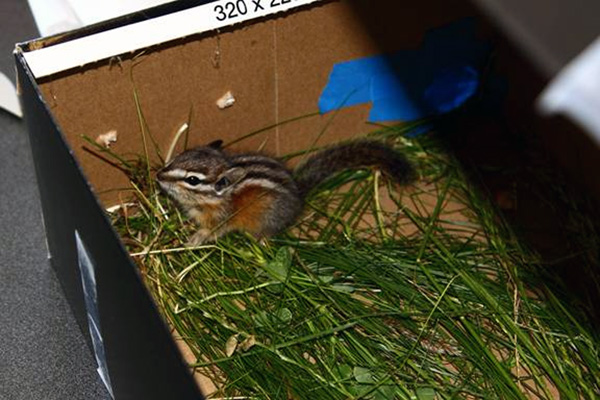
x: 142, y: 358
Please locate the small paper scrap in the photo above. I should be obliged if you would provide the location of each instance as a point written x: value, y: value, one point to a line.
x: 106, y: 139
x: 227, y: 100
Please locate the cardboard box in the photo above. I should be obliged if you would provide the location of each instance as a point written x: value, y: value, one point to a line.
x: 275, y: 57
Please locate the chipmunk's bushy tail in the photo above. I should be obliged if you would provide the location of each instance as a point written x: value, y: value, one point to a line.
x: 362, y: 153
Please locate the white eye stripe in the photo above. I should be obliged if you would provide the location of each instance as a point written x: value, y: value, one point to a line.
x: 198, y: 175
x: 176, y: 173
x: 182, y: 174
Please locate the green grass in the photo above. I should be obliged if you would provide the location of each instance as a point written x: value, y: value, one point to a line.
x: 377, y: 292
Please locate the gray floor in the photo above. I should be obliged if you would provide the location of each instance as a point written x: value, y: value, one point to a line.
x: 42, y: 352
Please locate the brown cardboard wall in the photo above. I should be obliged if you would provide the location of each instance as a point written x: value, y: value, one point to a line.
x: 276, y: 70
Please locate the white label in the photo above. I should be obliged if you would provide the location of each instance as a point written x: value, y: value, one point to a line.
x: 129, y: 38
x: 231, y: 10
x: 88, y: 281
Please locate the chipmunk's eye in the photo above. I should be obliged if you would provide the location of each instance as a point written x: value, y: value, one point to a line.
x: 192, y: 180
x: 221, y: 184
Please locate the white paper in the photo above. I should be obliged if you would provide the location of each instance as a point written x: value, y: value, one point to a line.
x: 57, y: 16
x: 8, y: 96
x: 54, y: 16
x: 576, y: 91
x: 93, y: 11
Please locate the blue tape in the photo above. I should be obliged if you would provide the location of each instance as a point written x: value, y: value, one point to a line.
x: 435, y: 79
x: 350, y: 83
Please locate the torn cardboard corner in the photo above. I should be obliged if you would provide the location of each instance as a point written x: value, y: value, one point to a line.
x: 9, y: 100
x: 226, y: 101
x: 107, y: 139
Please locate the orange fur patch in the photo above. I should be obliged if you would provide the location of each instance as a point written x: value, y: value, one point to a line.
x: 249, y: 205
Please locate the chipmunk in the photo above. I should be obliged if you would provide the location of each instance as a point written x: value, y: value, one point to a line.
x: 224, y: 192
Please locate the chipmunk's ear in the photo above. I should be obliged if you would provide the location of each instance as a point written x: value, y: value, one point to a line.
x: 217, y: 144
x: 235, y: 174
x: 228, y: 178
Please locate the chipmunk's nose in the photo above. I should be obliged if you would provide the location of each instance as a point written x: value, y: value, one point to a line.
x: 164, y: 184
x: 160, y: 175
x: 166, y: 174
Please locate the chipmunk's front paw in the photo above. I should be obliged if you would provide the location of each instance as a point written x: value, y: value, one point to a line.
x: 202, y: 236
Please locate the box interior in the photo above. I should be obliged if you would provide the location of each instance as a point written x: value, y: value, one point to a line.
x: 275, y: 68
